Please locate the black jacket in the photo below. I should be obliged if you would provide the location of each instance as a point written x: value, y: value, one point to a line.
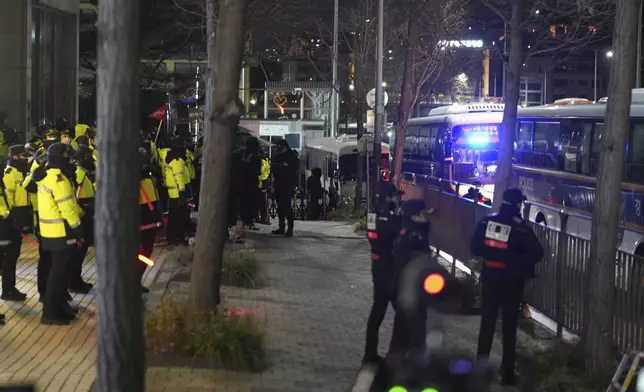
x: 506, y: 238
x: 284, y: 168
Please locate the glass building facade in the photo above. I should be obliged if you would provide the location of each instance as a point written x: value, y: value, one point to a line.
x: 39, y: 62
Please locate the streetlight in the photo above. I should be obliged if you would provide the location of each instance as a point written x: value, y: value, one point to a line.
x: 384, y: 84
x: 609, y: 54
x: 462, y: 78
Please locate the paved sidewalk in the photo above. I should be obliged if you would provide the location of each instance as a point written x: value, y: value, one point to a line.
x: 55, y: 358
x: 315, y: 307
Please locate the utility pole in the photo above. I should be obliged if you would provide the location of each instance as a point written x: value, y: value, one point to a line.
x: 381, y: 118
x: 334, y: 92
x: 505, y: 57
x: 638, y: 70
x: 595, y: 80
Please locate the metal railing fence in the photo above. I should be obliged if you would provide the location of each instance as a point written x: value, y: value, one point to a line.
x: 558, y: 291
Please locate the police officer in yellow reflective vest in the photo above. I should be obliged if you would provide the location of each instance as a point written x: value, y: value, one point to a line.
x: 31, y: 185
x: 85, y: 190
x: 173, y: 178
x: 263, y: 188
x: 5, y: 239
x: 151, y: 215
x: 61, y: 228
x: 21, y: 216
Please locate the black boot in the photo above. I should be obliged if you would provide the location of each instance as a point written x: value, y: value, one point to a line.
x: 81, y: 287
x: 289, y: 233
x: 13, y: 295
x: 279, y: 231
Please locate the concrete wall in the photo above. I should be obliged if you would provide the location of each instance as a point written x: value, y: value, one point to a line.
x: 14, y: 32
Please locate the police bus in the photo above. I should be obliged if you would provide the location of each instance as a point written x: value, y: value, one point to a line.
x: 557, y: 150
x: 457, y: 142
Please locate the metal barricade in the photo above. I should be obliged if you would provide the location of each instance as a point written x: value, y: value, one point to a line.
x: 559, y: 289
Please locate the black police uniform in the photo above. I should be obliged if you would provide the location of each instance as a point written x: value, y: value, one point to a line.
x: 510, y: 250
x: 284, y: 168
x: 382, y: 265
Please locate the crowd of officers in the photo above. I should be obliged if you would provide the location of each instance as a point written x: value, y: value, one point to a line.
x: 504, y: 242
x: 251, y: 170
x: 48, y: 188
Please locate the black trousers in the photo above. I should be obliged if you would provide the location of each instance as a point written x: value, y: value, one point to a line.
x: 381, y: 300
x: 56, y: 291
x: 285, y: 210
x: 11, y: 253
x: 498, y: 290
x: 75, y: 266
x: 247, y: 203
x: 44, y: 267
x: 146, y: 247
x: 261, y: 205
x: 314, y: 207
x: 176, y: 222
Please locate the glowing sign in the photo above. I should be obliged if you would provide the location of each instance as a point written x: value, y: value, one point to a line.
x: 461, y: 44
x: 476, y: 135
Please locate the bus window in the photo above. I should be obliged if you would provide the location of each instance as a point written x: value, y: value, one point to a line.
x: 423, y: 142
x: 635, y: 162
x: 546, y: 137
x: 524, y: 136
x: 586, y: 137
x: 568, y: 146
x: 596, y: 148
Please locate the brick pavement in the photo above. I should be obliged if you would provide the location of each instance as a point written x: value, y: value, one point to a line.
x: 315, y: 307
x: 55, y: 358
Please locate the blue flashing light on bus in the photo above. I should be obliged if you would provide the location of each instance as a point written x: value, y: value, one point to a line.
x: 478, y: 139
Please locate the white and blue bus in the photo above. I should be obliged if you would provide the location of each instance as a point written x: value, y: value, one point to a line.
x: 457, y: 142
x: 557, y: 150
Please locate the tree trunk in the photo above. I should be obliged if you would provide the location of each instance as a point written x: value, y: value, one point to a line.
x: 600, y: 289
x: 121, y: 359
x: 221, y: 117
x: 406, y: 94
x: 360, y: 175
x: 511, y: 96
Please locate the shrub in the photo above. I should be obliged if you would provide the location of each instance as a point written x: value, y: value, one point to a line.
x: 234, y: 342
x: 346, y: 213
x: 164, y: 327
x: 241, y: 269
x: 558, y: 369
x: 361, y: 225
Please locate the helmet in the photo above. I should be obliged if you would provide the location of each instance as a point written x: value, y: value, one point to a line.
x: 513, y: 196
x: 58, y: 150
x: 82, y: 140
x: 82, y: 152
x: 17, y: 150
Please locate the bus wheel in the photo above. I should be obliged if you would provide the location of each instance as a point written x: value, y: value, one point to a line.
x: 541, y: 219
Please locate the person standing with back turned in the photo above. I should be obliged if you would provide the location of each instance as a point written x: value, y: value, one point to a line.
x: 510, y: 251
x: 284, y: 168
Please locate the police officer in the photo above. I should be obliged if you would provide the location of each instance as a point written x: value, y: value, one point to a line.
x: 5, y: 233
x: 382, y: 264
x: 21, y: 218
x: 285, y: 167
x: 151, y: 215
x: 251, y: 168
x: 84, y: 179
x: 59, y: 216
x: 174, y: 181
x: 510, y: 251
x: 264, y: 174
